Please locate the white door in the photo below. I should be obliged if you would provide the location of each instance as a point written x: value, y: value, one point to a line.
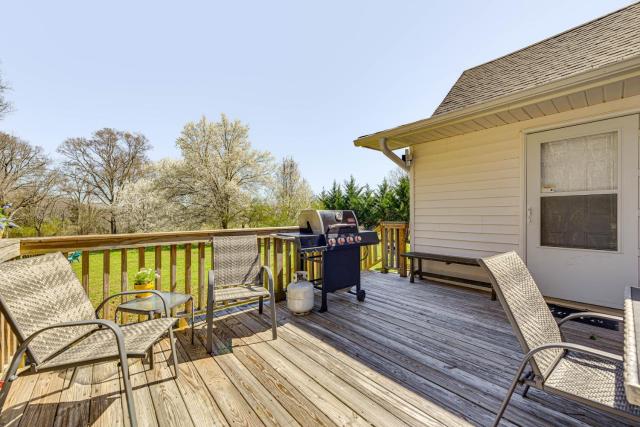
x: 582, y: 210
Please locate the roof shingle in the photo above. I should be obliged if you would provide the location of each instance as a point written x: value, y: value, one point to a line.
x: 604, y: 41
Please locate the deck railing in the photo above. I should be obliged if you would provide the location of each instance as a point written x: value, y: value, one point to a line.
x: 393, y: 239
x: 181, y: 259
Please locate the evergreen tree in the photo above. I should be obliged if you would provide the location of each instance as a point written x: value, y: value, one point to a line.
x: 389, y: 202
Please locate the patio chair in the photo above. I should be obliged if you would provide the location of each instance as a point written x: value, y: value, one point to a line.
x: 587, y: 375
x: 57, y: 327
x: 237, y: 276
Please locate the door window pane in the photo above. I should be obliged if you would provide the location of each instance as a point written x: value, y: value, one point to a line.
x: 586, y: 222
x: 588, y: 163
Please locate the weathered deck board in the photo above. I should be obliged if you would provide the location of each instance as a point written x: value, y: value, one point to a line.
x: 411, y: 354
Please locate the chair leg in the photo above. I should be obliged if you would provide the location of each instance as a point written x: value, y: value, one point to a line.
x: 10, y: 374
x: 124, y: 366
x: 505, y: 402
x: 274, y: 322
x: 525, y: 391
x: 73, y: 377
x: 174, y: 353
x: 260, y: 304
x: 151, y: 357
x: 193, y: 322
x: 210, y: 305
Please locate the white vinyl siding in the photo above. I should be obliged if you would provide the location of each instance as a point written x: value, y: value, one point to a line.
x: 468, y: 189
x: 467, y: 196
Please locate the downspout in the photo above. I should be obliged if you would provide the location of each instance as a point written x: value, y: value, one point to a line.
x: 393, y: 156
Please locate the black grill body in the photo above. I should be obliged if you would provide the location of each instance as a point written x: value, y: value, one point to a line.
x: 332, y: 239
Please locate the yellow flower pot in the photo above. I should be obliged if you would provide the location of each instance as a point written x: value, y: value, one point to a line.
x: 143, y: 287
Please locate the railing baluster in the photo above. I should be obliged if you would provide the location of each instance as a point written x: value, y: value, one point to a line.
x: 385, y: 250
x: 141, y: 256
x: 106, y: 276
x: 158, y: 266
x: 200, y: 274
x: 267, y: 253
x: 277, y: 269
x: 173, y: 282
x: 392, y: 249
x: 287, y: 257
x: 124, y: 278
x: 187, y: 274
x: 4, y: 340
x: 402, y: 247
x: 85, y: 271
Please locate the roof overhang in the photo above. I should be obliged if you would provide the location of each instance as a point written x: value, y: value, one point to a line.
x: 615, y: 81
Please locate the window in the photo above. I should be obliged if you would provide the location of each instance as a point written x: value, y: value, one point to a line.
x: 579, y: 192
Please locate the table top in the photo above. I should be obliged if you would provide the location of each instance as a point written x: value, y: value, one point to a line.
x: 632, y: 344
x: 153, y: 303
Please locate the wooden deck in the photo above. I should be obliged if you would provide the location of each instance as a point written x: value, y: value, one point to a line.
x: 411, y: 354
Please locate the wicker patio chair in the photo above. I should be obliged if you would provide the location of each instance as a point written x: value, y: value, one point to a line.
x: 238, y: 276
x: 57, y: 327
x: 590, y: 376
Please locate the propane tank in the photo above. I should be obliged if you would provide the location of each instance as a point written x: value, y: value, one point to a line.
x: 300, y: 294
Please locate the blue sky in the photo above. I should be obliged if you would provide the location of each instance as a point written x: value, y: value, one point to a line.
x: 307, y: 77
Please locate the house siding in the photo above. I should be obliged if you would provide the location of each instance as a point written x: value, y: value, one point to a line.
x: 468, y: 189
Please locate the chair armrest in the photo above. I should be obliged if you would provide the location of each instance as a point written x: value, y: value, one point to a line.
x: 591, y: 315
x: 269, y: 277
x: 578, y: 348
x: 99, y: 322
x: 158, y: 293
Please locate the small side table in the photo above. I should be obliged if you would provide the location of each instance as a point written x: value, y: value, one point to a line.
x: 153, y: 305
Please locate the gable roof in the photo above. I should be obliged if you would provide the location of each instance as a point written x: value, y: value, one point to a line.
x: 612, y: 38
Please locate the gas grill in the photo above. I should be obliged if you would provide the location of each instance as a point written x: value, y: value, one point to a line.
x: 332, y: 239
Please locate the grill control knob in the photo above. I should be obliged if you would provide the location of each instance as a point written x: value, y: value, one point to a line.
x: 341, y: 240
x: 358, y: 239
x: 350, y: 239
x: 332, y: 242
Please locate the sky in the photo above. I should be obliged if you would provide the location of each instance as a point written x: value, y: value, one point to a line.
x: 307, y: 77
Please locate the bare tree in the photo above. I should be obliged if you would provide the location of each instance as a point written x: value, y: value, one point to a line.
x: 44, y: 213
x: 84, y: 214
x: 5, y: 105
x: 105, y: 163
x: 25, y: 177
x: 219, y: 174
x: 291, y: 192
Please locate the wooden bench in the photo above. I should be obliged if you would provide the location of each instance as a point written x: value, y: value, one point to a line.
x: 447, y: 259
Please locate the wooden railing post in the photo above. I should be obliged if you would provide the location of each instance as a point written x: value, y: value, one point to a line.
x: 158, y: 266
x: 266, y: 255
x: 187, y: 274
x: 173, y: 280
x: 402, y: 245
x: 141, y: 260
x: 85, y: 271
x: 106, y: 275
x: 277, y: 269
x: 201, y: 267
x: 287, y: 256
x: 124, y: 278
x: 385, y: 249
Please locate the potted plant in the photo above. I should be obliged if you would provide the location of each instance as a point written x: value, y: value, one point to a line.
x: 143, y: 281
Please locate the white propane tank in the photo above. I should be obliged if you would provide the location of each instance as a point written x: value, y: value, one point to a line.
x: 300, y: 294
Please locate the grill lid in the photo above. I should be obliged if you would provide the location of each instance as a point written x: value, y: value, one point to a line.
x: 327, y: 222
